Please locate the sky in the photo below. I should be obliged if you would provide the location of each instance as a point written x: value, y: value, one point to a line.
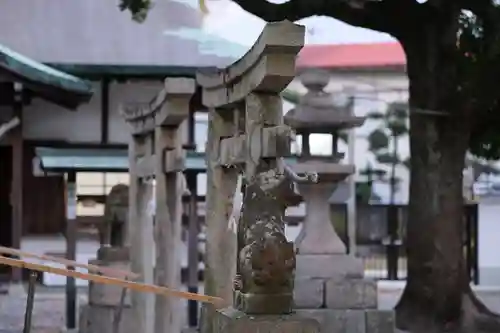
x: 229, y: 21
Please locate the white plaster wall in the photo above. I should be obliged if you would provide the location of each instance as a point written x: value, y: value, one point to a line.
x: 489, y: 234
x: 46, y: 121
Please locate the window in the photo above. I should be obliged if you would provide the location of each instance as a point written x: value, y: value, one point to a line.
x: 96, y: 184
x: 201, y: 131
x: 113, y: 178
x: 202, y: 183
x: 90, y: 183
x: 296, y: 146
x: 89, y: 209
x: 320, y: 144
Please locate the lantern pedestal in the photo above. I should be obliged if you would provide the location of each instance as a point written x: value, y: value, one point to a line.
x: 329, y: 283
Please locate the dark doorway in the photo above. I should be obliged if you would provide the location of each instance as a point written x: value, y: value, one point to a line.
x: 5, y: 206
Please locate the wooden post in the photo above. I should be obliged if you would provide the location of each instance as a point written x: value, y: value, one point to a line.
x: 170, y: 160
x: 71, y: 230
x: 17, y: 178
x: 192, y: 243
x: 191, y: 213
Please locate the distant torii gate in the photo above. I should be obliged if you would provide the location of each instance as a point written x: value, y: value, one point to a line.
x: 155, y: 151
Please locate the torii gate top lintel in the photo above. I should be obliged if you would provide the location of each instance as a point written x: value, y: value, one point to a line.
x: 168, y: 109
x: 268, y: 67
x: 246, y: 98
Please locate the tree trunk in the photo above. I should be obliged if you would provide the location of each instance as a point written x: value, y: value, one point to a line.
x: 437, y: 284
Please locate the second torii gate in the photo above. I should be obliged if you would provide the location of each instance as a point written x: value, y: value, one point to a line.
x: 156, y: 152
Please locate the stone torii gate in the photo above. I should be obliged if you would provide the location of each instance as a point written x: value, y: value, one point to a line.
x: 155, y: 151
x: 246, y: 134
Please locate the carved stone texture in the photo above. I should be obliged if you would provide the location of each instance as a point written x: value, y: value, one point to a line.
x: 229, y: 320
x: 266, y: 259
x: 245, y: 96
x: 115, y: 216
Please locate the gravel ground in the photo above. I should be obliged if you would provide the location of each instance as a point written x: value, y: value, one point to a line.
x: 48, y: 310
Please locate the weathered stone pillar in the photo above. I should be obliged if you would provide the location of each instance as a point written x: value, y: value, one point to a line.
x: 318, y: 235
x: 170, y: 160
x: 104, y: 301
x: 329, y: 283
x: 247, y: 135
x: 162, y: 158
x: 220, y: 252
x: 140, y: 226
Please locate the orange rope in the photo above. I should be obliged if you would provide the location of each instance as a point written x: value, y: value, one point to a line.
x: 91, y: 268
x: 142, y: 287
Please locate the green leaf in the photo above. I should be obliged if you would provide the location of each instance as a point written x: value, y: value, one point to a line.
x: 370, y: 172
x: 395, y: 180
x: 375, y: 115
x: 388, y: 158
x: 377, y: 140
x: 397, y: 127
x: 363, y: 192
x: 138, y: 8
x: 398, y: 110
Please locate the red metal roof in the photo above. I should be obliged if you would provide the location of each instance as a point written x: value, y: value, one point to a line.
x: 372, y: 55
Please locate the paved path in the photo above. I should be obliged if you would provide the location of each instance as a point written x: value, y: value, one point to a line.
x: 49, y: 308
x: 48, y: 311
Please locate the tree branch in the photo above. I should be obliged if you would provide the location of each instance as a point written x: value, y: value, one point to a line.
x: 381, y: 15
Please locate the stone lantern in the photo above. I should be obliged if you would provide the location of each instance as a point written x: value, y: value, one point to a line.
x: 329, y: 283
x: 318, y: 113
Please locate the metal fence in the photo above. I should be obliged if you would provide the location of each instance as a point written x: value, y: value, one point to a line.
x: 381, y: 233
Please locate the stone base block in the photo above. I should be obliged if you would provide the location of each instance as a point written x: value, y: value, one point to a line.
x: 104, y: 294
x: 257, y: 304
x: 107, y: 295
x: 111, y: 254
x: 229, y: 320
x: 351, y: 294
x: 190, y: 330
x: 337, y: 266
x: 352, y: 321
x: 99, y: 319
x: 380, y: 321
x: 309, y: 293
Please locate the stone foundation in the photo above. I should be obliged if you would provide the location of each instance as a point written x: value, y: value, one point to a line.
x: 352, y: 321
x: 332, y: 290
x: 230, y: 320
x: 104, y: 300
x: 94, y: 319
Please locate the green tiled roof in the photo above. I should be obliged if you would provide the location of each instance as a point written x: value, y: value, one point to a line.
x: 43, y: 79
x: 79, y: 159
